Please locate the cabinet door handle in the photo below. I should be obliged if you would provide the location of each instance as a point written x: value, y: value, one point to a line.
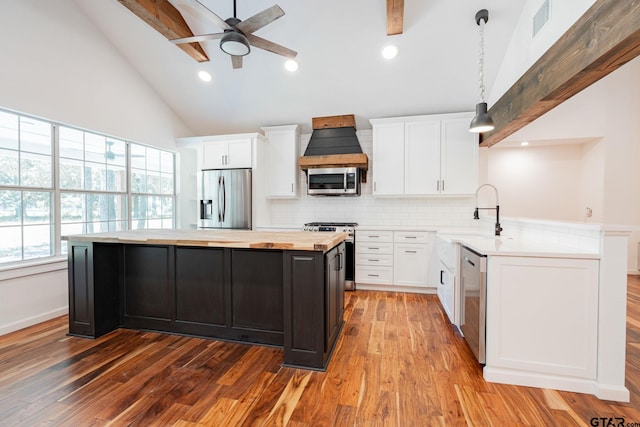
x: 438, y: 185
x: 374, y: 186
x: 292, y: 187
x: 441, y: 280
x: 443, y: 185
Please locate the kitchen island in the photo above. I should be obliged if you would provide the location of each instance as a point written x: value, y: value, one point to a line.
x: 274, y: 288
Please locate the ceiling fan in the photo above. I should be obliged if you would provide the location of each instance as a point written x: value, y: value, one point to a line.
x: 237, y: 35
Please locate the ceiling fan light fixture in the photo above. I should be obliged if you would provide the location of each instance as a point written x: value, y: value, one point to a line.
x: 234, y: 43
x: 482, y: 122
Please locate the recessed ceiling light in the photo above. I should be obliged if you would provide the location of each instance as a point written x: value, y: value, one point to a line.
x: 204, y: 76
x: 389, y: 52
x: 291, y: 65
x: 524, y: 143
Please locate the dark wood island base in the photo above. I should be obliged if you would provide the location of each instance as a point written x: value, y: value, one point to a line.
x: 288, y: 298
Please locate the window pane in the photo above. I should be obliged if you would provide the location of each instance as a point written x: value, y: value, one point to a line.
x: 10, y: 207
x: 94, y: 176
x: 35, y: 170
x: 117, y: 208
x: 97, y: 227
x: 153, y: 183
x: 8, y: 167
x: 138, y: 153
x: 37, y: 241
x: 37, y: 207
x: 94, y: 148
x: 154, y: 223
x: 10, y: 244
x: 153, y: 159
x: 35, y: 136
x: 166, y: 183
x: 71, y: 176
x: 166, y: 162
x: 116, y: 178
x: 138, y: 181
x: 154, y: 207
x: 116, y: 152
x: 97, y: 207
x: 167, y: 207
x: 139, y: 224
x: 8, y: 130
x: 71, y: 143
x: 71, y: 207
x: 73, y: 228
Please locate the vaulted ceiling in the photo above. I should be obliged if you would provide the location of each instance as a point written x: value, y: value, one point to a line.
x: 341, y: 68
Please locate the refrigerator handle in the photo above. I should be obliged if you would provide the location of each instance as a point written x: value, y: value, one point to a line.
x: 224, y: 199
x: 219, y: 203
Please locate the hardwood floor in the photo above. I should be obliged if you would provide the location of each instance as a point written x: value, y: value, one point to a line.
x: 398, y: 363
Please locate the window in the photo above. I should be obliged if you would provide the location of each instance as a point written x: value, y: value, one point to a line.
x: 26, y: 190
x: 152, y: 187
x: 100, y: 184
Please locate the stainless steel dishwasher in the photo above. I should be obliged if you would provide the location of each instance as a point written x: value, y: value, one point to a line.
x: 473, y: 287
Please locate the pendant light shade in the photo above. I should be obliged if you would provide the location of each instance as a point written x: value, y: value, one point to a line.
x: 482, y: 122
x: 235, y: 44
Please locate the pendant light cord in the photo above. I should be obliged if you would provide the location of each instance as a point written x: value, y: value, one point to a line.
x: 481, y: 60
x: 234, y: 9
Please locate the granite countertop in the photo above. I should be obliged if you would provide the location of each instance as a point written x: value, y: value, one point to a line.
x: 289, y: 240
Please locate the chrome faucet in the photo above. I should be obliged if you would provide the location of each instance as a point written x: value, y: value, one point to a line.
x: 498, y: 228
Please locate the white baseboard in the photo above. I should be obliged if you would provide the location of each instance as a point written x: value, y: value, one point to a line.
x: 395, y: 288
x: 30, y: 321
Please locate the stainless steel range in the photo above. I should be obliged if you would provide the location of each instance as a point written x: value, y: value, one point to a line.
x: 350, y: 245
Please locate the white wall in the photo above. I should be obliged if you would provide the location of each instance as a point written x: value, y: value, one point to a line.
x: 56, y: 65
x: 524, y: 50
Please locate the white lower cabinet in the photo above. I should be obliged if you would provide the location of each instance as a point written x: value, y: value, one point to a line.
x: 388, y: 260
x: 411, y: 256
x: 542, y: 318
x: 374, y: 257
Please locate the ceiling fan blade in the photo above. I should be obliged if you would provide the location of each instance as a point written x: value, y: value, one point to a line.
x: 236, y: 61
x: 206, y: 12
x: 200, y: 38
x: 260, y: 19
x: 270, y: 46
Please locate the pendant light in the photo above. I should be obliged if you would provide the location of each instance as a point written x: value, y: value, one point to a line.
x: 482, y: 122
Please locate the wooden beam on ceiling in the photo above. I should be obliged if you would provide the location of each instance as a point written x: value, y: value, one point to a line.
x: 395, y: 17
x: 606, y: 37
x: 168, y: 21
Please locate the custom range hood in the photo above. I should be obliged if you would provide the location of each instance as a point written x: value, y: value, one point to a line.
x: 334, y: 144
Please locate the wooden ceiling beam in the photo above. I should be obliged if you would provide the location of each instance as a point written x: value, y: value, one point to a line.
x: 603, y: 39
x: 168, y: 21
x: 395, y: 17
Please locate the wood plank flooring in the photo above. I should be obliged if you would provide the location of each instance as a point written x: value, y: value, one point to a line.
x: 398, y: 363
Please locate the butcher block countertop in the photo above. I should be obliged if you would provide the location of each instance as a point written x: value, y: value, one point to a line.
x: 287, y: 240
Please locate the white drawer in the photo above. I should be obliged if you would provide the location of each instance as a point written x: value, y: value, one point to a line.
x: 372, y: 274
x: 374, y: 236
x: 374, y: 259
x: 374, y: 248
x: 411, y: 236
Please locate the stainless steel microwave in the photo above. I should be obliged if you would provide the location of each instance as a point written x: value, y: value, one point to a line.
x: 333, y: 182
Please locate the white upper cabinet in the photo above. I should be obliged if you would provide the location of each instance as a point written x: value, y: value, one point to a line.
x: 388, y: 144
x: 226, y: 154
x: 424, y: 156
x: 282, y: 152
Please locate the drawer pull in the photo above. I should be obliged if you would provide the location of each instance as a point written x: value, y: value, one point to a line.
x: 373, y: 260
x: 373, y: 275
x: 410, y: 237
x: 376, y: 249
x: 409, y: 252
x: 373, y: 237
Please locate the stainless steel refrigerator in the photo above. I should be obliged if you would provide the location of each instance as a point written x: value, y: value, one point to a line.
x: 225, y: 201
